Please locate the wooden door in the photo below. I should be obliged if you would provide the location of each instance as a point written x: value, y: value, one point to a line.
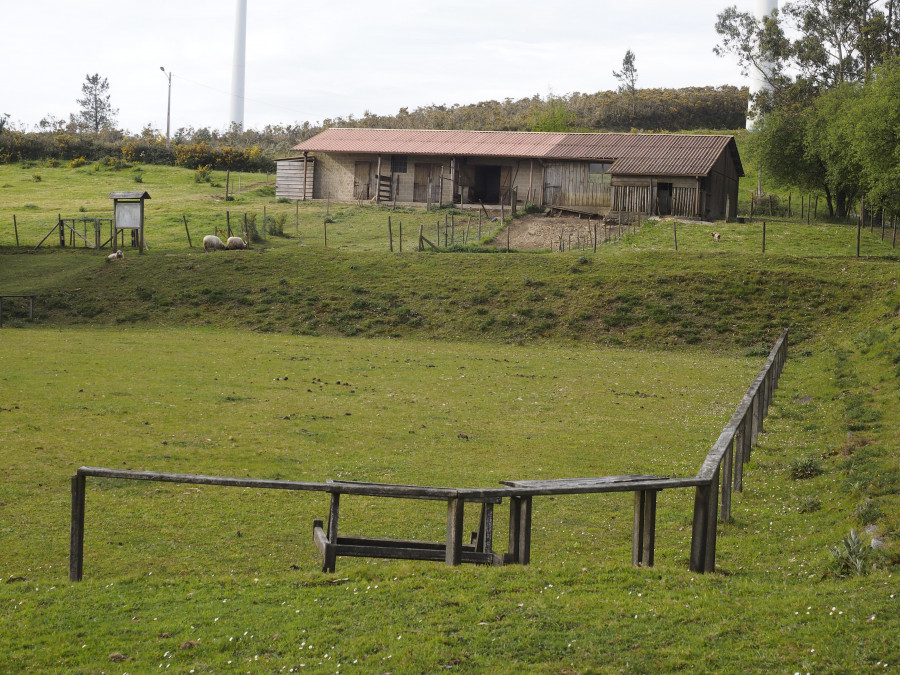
x: 362, y: 176
x: 420, y: 182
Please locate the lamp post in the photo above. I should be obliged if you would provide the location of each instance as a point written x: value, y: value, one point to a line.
x: 169, y: 110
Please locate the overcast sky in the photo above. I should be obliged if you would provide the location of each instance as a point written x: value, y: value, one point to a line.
x: 308, y: 61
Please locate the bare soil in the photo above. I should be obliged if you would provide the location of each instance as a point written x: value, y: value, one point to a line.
x: 538, y: 231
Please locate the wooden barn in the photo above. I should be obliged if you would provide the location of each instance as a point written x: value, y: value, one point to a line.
x: 661, y: 174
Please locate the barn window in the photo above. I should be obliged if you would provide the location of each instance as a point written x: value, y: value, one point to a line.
x: 398, y: 163
x: 598, y: 173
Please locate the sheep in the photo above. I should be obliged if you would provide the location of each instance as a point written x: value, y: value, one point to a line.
x: 235, y: 244
x: 716, y: 236
x: 115, y: 256
x: 212, y: 243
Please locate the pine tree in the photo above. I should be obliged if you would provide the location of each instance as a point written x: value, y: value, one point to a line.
x: 96, y: 112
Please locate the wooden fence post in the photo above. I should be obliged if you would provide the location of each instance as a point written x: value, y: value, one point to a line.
x: 453, y: 554
x: 184, y: 218
x: 727, y: 482
x: 675, y: 232
x: 699, y: 528
x: 76, y: 532
x: 16, y: 228
x: 390, y: 236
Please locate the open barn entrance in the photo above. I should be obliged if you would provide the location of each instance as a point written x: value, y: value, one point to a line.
x: 487, y: 184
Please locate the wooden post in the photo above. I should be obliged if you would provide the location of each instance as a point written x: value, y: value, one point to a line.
x: 305, y: 171
x: 675, y: 233
x: 228, y: 222
x: 400, y: 227
x: 468, y: 225
x: 790, y: 196
x: 390, y: 236
x: 76, y: 531
x: 331, y: 534
x: 62, y: 231
x: 514, y: 200
x: 530, y: 181
x: 246, y: 231
x: 184, y: 218
x: 325, y: 230
x: 16, y: 228
x: 595, y: 236
x: 727, y: 207
x: 378, y: 182
x: 816, y: 210
x: 858, y: 234
x: 699, y: 528
x: 227, y: 182
x: 479, y: 226
x: 297, y: 218
x: 421, y: 245
x: 502, y: 212
x: 507, y: 236
x: 452, y: 230
x: 727, y: 482
x: 802, y: 206
x: 751, y: 204
x: 428, y: 197
x: 454, y: 531
x: 739, y: 458
x: 710, y: 565
x: 643, y: 539
x: 764, y: 237
x: 882, y: 224
x: 446, y: 230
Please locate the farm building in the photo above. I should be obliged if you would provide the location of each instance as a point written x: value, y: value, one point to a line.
x: 664, y: 174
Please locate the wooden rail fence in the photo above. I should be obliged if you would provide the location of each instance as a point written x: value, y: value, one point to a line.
x: 721, y: 474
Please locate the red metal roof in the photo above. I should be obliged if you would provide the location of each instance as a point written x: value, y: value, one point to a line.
x: 631, y: 154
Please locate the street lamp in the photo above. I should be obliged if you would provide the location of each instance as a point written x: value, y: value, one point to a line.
x: 169, y: 111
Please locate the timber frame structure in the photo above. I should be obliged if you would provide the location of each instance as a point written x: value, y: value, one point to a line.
x: 692, y: 176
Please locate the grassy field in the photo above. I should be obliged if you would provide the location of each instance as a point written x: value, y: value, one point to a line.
x: 548, y: 365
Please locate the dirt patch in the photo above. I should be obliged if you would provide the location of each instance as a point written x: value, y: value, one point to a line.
x: 538, y: 231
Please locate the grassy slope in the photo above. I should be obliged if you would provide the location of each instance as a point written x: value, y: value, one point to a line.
x: 222, y: 591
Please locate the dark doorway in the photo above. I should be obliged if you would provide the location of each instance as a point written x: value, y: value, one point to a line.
x: 487, y: 184
x: 664, y: 198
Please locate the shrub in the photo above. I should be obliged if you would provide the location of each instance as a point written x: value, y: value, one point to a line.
x: 850, y: 556
x: 867, y: 512
x: 202, y: 174
x: 805, y: 467
x: 809, y: 505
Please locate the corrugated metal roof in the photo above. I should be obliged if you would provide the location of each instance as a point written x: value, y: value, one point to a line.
x: 631, y: 154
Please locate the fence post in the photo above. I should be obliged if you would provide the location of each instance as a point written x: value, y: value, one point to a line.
x: 16, y: 228
x: 390, y: 236
x: 727, y: 482
x: 453, y: 555
x: 710, y: 563
x: 700, y: 526
x: 76, y: 533
x: 739, y: 458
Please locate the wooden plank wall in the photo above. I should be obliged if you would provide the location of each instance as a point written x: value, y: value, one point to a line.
x: 632, y: 198
x: 289, y: 178
x: 568, y: 184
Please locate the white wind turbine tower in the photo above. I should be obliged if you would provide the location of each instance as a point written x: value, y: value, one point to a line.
x: 758, y: 82
x: 239, y: 64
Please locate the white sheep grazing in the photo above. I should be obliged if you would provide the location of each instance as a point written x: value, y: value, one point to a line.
x: 212, y: 243
x: 235, y: 244
x: 115, y: 256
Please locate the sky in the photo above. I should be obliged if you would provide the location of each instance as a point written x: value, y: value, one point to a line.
x: 310, y: 61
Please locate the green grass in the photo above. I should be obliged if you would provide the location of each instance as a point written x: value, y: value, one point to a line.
x: 628, y: 360
x: 175, y: 195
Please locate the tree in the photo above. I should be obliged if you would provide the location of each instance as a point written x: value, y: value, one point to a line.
x: 627, y: 78
x: 96, y: 112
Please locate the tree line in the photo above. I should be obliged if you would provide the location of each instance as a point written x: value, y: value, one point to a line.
x: 94, y: 137
x: 827, y: 119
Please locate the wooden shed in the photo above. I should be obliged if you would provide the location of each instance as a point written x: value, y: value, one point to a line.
x: 662, y: 174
